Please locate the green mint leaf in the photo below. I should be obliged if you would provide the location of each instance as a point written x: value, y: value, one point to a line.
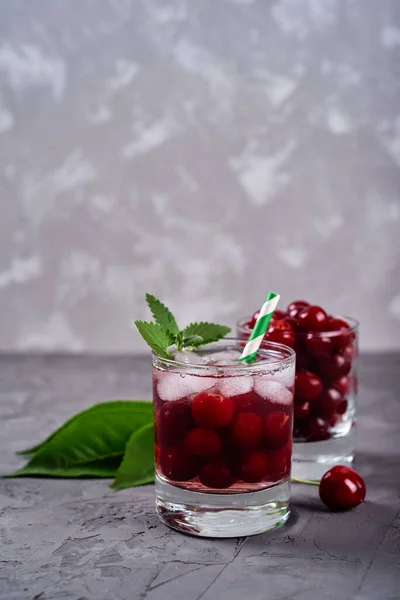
x: 210, y: 332
x: 137, y: 466
x: 105, y: 467
x: 162, y: 315
x: 103, y: 407
x: 155, y: 336
x: 193, y: 341
x: 93, y: 435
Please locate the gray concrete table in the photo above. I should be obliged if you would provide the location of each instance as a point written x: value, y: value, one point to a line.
x: 81, y: 540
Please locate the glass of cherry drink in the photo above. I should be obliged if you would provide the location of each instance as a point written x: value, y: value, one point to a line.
x: 325, y: 384
x: 223, y: 439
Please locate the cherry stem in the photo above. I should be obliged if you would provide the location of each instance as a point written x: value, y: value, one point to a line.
x: 295, y: 480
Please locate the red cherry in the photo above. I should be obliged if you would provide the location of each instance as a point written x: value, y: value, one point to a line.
x: 254, y: 318
x: 344, y: 335
x: 292, y: 322
x: 343, y: 385
x: 203, y: 443
x: 173, y: 421
x: 307, y: 386
x: 247, y: 429
x: 327, y: 403
x: 216, y: 474
x: 342, y: 407
x: 318, y: 344
x: 247, y: 325
x: 333, y: 367
x: 254, y: 466
x: 277, y: 315
x: 281, y: 332
x: 247, y: 402
x: 302, y: 411
x: 279, y: 463
x: 342, y: 488
x: 350, y: 352
x: 302, y: 360
x: 212, y: 410
x: 177, y: 465
x: 277, y: 429
x: 318, y: 430
x: 296, y: 307
x: 312, y: 318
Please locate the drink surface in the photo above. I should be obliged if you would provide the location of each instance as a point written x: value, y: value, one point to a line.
x: 220, y: 426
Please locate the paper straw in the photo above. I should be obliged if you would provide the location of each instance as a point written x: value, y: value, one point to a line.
x: 256, y: 337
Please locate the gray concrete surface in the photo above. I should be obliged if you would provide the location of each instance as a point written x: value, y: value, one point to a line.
x: 78, y: 540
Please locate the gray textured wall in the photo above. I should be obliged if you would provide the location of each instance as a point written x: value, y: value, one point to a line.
x: 204, y: 150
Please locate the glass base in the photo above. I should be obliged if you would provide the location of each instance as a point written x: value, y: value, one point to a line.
x: 222, y: 515
x: 312, y: 459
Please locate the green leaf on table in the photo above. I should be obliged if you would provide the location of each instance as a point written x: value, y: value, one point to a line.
x: 156, y: 337
x: 91, y: 436
x: 137, y: 466
x: 209, y: 332
x: 113, y: 405
x: 162, y: 315
x: 105, y: 467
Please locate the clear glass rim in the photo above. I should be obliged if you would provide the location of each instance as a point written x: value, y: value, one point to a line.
x: 354, y: 324
x: 262, y: 365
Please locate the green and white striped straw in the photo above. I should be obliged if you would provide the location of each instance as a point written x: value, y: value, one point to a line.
x: 256, y: 337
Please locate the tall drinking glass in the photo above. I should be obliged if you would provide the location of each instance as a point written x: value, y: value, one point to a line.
x: 223, y: 439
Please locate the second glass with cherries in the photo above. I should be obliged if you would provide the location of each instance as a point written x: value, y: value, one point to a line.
x: 325, y: 385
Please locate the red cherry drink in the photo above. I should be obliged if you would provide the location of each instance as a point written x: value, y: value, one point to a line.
x: 223, y: 433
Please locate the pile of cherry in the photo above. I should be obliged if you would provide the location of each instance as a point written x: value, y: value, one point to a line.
x: 219, y: 441
x: 325, y: 349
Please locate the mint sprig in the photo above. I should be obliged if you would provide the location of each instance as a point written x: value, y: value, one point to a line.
x: 165, y: 331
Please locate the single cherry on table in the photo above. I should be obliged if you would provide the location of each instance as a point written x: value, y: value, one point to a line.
x: 342, y: 488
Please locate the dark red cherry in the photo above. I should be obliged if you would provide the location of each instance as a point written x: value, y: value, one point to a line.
x: 296, y: 307
x: 173, y: 421
x: 277, y: 429
x: 333, y: 367
x: 203, y: 443
x: 177, y: 465
x: 342, y: 488
x: 342, y: 407
x: 350, y: 352
x: 343, y: 385
x: 254, y: 318
x: 212, y: 410
x: 247, y: 429
x: 317, y: 344
x: 277, y: 315
x: 327, y: 403
x: 312, y: 318
x: 279, y: 462
x: 318, y: 430
x: 254, y: 466
x: 216, y: 474
x: 343, y: 333
x: 292, y: 322
x: 281, y: 332
x: 301, y: 411
x: 302, y: 358
x: 249, y: 402
x: 307, y: 387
